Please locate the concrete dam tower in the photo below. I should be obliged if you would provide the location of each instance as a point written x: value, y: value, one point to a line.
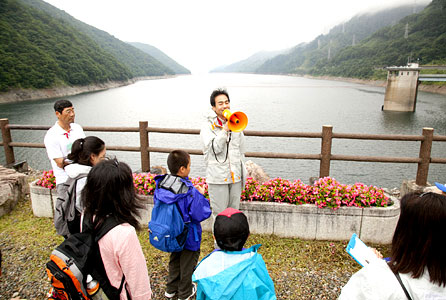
x: 402, y: 88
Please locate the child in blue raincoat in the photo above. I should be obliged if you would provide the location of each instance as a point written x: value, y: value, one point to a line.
x: 233, y: 272
x: 194, y: 208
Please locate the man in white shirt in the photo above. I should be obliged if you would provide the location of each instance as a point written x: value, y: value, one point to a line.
x: 60, y: 137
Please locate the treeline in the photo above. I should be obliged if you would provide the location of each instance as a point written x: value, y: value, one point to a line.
x: 42, y: 46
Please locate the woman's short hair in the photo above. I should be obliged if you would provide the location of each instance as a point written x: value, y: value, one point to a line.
x: 82, y: 149
x: 109, y: 190
x: 419, y: 240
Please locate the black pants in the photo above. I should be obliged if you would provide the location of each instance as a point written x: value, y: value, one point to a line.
x: 181, y: 267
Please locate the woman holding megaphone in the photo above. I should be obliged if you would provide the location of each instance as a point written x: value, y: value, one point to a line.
x: 224, y: 153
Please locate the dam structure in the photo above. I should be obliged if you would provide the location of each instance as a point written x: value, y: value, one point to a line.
x: 402, y: 86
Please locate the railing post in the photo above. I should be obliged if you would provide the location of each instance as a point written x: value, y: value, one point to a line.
x: 144, y: 146
x: 425, y: 156
x: 327, y: 134
x: 6, y: 137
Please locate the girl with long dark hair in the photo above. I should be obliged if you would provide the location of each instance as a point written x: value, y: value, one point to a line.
x: 109, y: 193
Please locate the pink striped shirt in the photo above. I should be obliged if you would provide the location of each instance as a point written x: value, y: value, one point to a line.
x: 122, y: 254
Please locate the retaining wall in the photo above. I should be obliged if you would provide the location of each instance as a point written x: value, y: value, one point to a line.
x: 372, y: 224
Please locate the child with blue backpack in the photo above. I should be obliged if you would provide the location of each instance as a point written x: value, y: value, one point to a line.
x: 176, y: 188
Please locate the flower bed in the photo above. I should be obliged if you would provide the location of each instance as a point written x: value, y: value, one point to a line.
x: 326, y: 192
x: 361, y: 209
x: 47, y: 180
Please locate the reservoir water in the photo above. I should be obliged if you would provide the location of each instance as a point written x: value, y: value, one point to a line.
x: 272, y: 103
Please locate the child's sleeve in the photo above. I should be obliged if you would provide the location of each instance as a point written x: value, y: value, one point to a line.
x: 200, y: 208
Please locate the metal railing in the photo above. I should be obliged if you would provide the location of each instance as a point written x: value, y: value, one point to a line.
x: 325, y: 157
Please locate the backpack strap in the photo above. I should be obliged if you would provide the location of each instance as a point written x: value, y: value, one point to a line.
x: 174, y: 184
x: 109, y: 223
x: 397, y: 275
x: 402, y: 285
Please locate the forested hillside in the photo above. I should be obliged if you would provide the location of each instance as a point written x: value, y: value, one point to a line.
x: 251, y: 64
x: 307, y: 58
x: 418, y: 37
x: 42, y: 46
x: 37, y: 51
x: 138, y: 62
x: 161, y: 57
x: 324, y: 47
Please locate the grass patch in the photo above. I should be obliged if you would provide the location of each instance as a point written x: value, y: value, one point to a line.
x: 300, y: 269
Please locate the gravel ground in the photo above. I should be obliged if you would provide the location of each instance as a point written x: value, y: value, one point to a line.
x: 300, y: 269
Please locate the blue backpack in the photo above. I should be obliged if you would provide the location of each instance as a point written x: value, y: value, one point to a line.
x: 167, y: 229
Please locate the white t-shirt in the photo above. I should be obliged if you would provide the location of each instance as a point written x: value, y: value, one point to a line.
x: 58, y: 144
x: 377, y: 281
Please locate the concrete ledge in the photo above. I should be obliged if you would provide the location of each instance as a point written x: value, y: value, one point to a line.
x: 307, y: 221
x: 42, y: 200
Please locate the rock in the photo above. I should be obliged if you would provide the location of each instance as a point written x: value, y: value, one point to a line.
x: 432, y: 189
x: 158, y: 170
x: 312, y: 180
x: 256, y: 172
x: 392, y: 192
x: 13, y: 186
x: 409, y: 186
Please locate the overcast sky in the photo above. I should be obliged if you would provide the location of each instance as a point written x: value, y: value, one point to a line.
x: 204, y: 34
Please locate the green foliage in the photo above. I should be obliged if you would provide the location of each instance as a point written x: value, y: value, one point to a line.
x: 379, y: 41
x: 41, y: 47
x: 36, y: 50
x: 312, y: 57
x: 425, y: 42
x: 136, y: 61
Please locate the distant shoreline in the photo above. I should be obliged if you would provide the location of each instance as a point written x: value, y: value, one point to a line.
x: 436, y: 89
x: 19, y: 95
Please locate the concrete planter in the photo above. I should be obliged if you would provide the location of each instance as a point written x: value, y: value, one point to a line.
x: 371, y: 224
x: 43, y: 200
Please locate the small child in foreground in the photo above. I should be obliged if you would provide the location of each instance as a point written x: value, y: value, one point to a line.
x: 233, y: 272
x: 194, y: 208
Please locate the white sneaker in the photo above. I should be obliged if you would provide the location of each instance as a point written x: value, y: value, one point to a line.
x: 169, y: 295
x: 194, y: 290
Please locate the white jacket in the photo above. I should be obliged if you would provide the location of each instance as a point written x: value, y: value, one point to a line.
x: 377, y: 281
x: 215, y: 142
x: 73, y: 171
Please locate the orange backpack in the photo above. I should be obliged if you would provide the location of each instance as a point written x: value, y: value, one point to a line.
x: 77, y: 257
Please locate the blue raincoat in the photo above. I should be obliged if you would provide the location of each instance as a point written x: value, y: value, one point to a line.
x: 233, y: 275
x: 194, y: 207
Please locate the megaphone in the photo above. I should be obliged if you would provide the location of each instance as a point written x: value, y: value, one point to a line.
x: 236, y: 121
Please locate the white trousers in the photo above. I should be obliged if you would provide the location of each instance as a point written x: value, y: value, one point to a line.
x: 223, y: 196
